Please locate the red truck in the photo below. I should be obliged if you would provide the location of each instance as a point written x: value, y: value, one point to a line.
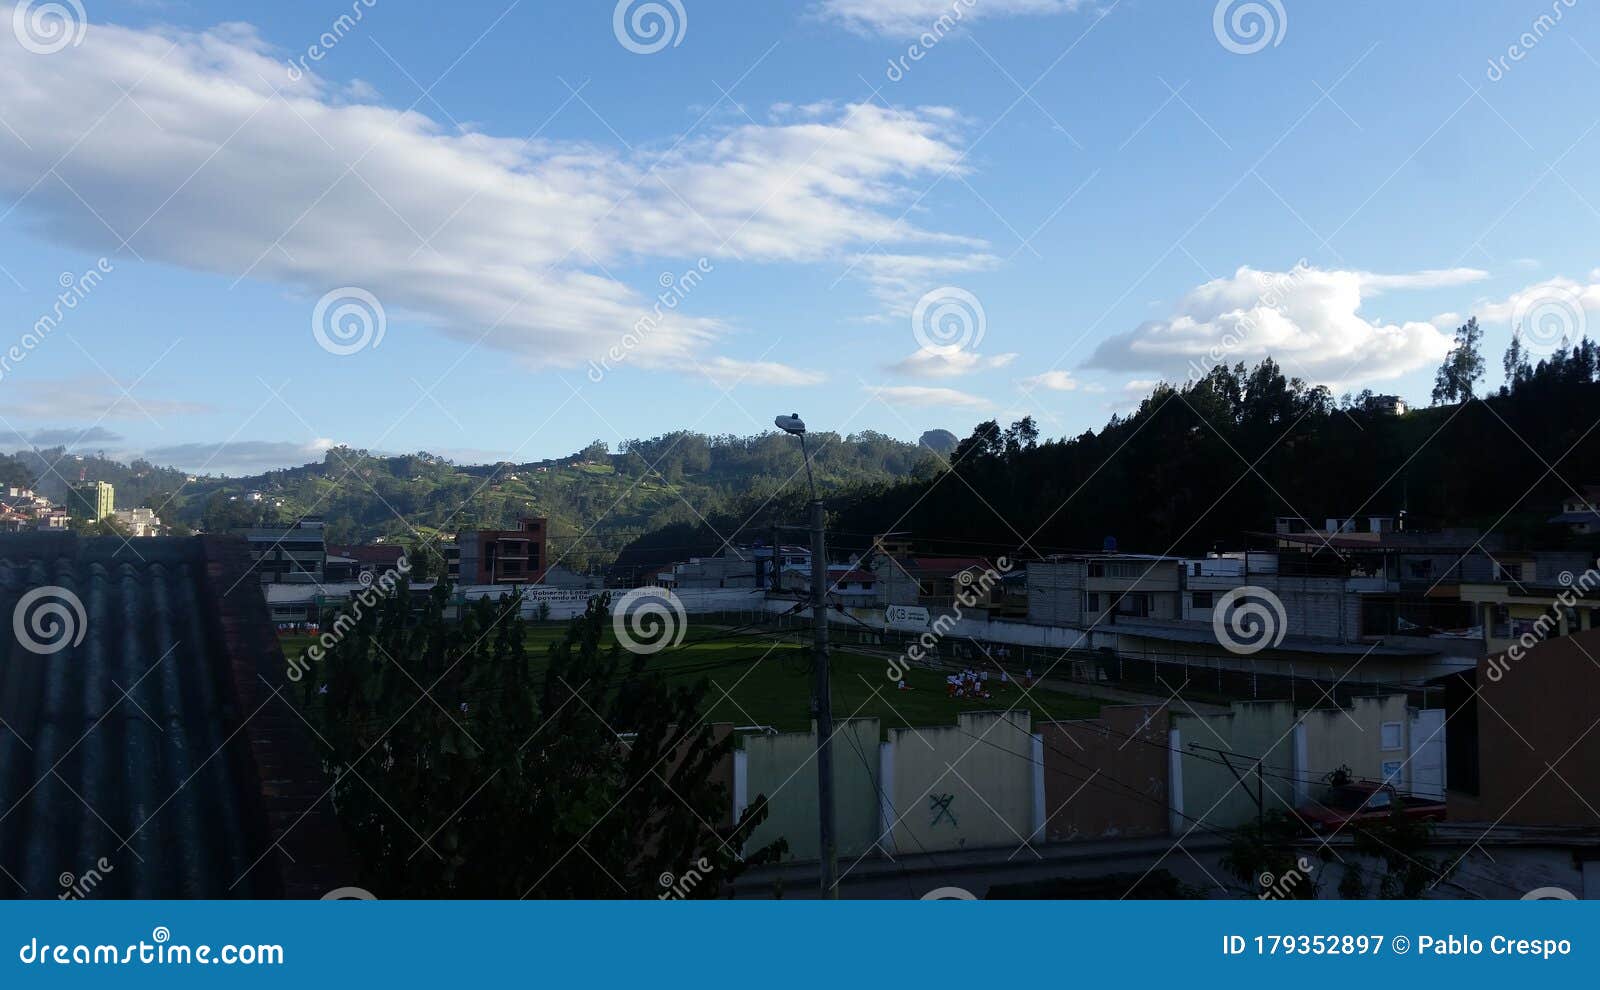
x: 1364, y: 803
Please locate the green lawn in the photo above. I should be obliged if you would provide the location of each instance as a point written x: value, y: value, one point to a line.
x: 768, y: 682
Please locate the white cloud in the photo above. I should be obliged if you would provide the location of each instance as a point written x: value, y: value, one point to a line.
x: 913, y: 17
x: 1572, y: 294
x: 922, y: 396
x: 227, y: 166
x: 729, y: 372
x: 1307, y: 319
x: 923, y: 363
x: 91, y: 400
x: 238, y: 457
x: 899, y: 280
x: 1055, y: 381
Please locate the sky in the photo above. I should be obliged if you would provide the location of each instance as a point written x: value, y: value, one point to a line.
x: 235, y: 234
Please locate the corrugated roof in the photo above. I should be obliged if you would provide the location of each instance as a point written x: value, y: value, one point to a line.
x: 146, y: 736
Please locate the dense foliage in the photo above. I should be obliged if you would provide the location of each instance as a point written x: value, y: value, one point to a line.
x: 463, y: 768
x: 1209, y: 461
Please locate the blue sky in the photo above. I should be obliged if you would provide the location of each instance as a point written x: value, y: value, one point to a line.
x: 1045, y: 210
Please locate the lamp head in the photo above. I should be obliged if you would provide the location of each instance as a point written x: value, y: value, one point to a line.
x: 791, y: 423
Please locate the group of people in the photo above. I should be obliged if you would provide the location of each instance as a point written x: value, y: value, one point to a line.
x: 298, y: 629
x: 973, y: 684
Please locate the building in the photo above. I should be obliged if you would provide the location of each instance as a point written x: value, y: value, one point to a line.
x: 1579, y: 511
x: 91, y: 501
x: 933, y: 582
x: 1522, y: 750
x: 348, y: 563
x: 504, y: 556
x: 1106, y: 588
x: 295, y: 555
x: 1542, y: 595
x: 138, y: 523
x: 1389, y: 405
x: 218, y: 794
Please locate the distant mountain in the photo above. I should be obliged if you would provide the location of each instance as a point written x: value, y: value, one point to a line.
x: 941, y: 442
x: 597, y: 501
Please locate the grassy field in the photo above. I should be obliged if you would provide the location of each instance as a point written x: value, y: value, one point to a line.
x: 768, y: 682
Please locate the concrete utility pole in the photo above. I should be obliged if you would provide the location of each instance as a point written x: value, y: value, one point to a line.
x: 822, y: 692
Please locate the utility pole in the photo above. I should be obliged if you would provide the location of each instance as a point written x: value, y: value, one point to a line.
x: 824, y: 700
x: 822, y: 691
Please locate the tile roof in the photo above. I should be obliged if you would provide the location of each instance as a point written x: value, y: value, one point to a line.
x: 150, y: 737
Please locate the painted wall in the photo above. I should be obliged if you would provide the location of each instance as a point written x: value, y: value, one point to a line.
x: 965, y: 786
x: 784, y: 768
x: 1106, y: 778
x: 1356, y: 738
x: 1212, y: 793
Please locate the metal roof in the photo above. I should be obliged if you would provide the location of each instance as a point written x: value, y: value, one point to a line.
x: 139, y: 737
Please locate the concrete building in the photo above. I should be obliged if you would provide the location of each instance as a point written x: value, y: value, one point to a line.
x: 295, y: 555
x: 1542, y: 596
x: 1523, y: 751
x: 1580, y: 511
x: 510, y: 556
x: 139, y: 523
x: 1090, y: 589
x: 91, y: 501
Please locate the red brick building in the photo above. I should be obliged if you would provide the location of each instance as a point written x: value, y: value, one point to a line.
x: 505, y: 556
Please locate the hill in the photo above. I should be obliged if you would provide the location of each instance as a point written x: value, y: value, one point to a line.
x: 597, y: 501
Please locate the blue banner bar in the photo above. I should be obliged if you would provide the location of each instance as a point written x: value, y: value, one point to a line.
x: 792, y: 944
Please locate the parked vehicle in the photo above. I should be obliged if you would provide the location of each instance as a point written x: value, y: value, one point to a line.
x: 1362, y: 803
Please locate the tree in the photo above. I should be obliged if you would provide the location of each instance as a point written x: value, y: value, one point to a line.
x: 1462, y: 368
x: 1515, y: 363
x: 490, y: 787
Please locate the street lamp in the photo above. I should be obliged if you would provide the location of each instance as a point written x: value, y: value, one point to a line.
x: 793, y: 425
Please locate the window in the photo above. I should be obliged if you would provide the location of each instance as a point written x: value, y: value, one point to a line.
x: 1091, y: 601
x: 1421, y: 568
x: 1097, y: 569
x: 1135, y: 604
x: 1393, y: 736
x: 1203, y: 599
